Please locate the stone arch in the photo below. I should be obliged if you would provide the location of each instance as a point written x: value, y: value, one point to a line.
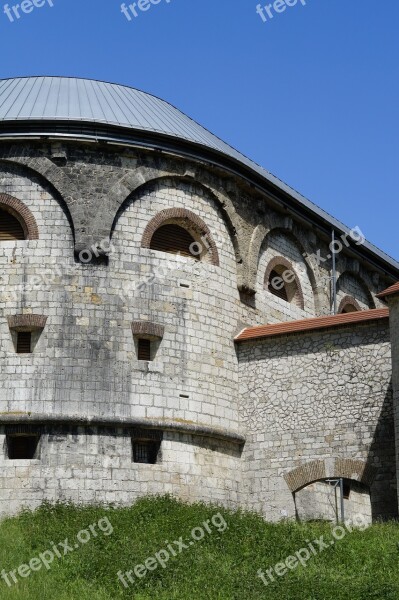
x: 361, y: 283
x: 278, y: 261
x: 260, y: 236
x: 184, y: 215
x: 316, y: 470
x: 134, y: 183
x: 22, y: 213
x: 51, y: 176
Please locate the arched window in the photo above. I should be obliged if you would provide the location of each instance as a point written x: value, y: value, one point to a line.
x: 16, y: 220
x: 180, y: 231
x: 282, y: 281
x: 175, y: 239
x: 10, y: 227
x: 277, y: 286
x: 348, y: 304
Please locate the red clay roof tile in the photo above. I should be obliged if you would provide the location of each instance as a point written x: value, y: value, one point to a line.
x: 264, y: 331
x: 394, y: 289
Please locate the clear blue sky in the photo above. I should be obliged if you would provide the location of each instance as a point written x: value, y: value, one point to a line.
x: 312, y: 94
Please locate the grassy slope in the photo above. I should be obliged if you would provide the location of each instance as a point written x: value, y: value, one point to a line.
x: 222, y: 566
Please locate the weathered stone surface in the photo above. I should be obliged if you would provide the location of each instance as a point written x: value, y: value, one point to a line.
x: 301, y: 400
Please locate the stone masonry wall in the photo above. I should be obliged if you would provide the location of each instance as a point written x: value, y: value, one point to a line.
x: 394, y: 331
x: 95, y: 465
x: 314, y: 398
x: 85, y: 361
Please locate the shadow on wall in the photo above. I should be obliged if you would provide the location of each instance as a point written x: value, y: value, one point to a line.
x: 371, y: 488
x: 321, y: 501
x: 382, y: 457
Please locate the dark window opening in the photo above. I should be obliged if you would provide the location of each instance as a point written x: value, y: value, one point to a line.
x: 144, y: 349
x: 146, y: 451
x: 20, y: 447
x: 346, y: 486
x: 349, y: 308
x: 10, y: 228
x: 174, y: 240
x: 277, y: 285
x: 24, y: 342
x: 347, y: 489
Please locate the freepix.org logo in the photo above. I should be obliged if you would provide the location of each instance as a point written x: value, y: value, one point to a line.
x: 16, y: 11
x: 268, y: 12
x: 134, y: 9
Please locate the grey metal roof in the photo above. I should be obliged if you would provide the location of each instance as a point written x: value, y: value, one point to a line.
x: 69, y: 99
x: 74, y: 100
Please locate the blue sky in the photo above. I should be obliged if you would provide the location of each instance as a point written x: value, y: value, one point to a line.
x: 311, y: 94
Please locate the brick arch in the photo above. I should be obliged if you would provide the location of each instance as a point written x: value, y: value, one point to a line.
x: 348, y: 300
x: 259, y: 238
x: 22, y: 213
x: 54, y: 177
x: 278, y: 261
x: 347, y: 468
x: 135, y: 183
x: 181, y: 214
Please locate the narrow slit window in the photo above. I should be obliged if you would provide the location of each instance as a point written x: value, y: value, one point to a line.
x: 347, y: 490
x: 24, y: 342
x: 144, y: 349
x: 20, y: 447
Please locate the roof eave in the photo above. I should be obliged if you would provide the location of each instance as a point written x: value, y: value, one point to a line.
x: 257, y: 177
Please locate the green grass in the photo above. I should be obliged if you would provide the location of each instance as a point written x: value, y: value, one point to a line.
x: 222, y: 566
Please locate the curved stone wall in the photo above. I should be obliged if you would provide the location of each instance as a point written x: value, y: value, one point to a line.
x: 92, y: 287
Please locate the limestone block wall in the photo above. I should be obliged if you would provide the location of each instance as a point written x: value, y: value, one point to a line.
x: 349, y: 286
x: 280, y: 244
x: 321, y: 500
x: 316, y: 402
x: 394, y: 331
x: 85, y: 363
x: 85, y: 360
x: 195, y: 375
x: 95, y: 465
x: 95, y: 183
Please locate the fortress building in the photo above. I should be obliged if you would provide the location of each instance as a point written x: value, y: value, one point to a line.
x: 167, y: 319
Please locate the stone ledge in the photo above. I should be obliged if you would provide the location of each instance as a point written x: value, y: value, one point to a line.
x: 186, y: 427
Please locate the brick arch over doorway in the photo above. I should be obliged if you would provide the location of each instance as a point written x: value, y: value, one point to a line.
x: 347, y: 468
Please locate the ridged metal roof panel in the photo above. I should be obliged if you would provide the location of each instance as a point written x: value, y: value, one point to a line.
x: 70, y: 99
x: 77, y: 100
